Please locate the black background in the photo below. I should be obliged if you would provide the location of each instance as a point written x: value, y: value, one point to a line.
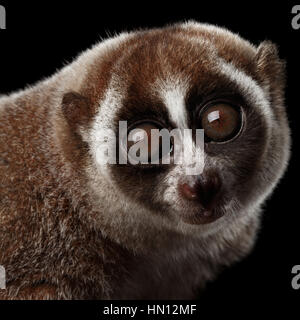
x: 40, y: 38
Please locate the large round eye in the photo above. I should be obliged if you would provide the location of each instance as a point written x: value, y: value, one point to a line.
x: 221, y: 122
x: 143, y: 140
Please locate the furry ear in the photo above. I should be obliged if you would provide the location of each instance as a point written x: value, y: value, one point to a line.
x: 270, y: 68
x: 76, y: 109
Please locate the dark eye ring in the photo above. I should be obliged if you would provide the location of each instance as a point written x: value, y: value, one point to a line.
x: 155, y: 146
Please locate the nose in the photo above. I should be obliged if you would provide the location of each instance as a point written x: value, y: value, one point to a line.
x: 205, y: 190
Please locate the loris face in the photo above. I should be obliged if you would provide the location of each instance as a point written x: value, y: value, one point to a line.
x: 192, y: 76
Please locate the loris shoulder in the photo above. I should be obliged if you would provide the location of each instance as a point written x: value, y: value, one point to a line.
x: 75, y: 227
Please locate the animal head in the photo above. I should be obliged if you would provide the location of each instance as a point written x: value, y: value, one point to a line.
x: 184, y: 76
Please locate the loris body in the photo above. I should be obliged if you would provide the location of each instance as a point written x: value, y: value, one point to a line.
x: 72, y: 227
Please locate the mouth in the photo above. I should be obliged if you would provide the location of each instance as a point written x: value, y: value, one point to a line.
x: 202, y: 216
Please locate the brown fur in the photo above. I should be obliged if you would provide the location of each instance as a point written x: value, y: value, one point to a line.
x: 56, y: 242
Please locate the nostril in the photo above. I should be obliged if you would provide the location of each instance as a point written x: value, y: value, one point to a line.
x: 208, y: 189
x: 188, y: 192
x: 205, y: 190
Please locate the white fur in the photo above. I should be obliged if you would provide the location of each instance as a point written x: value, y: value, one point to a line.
x: 173, y: 92
x: 249, y: 87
